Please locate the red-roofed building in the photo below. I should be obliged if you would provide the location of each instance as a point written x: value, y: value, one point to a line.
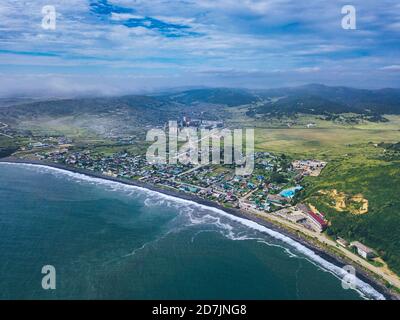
x: 317, y: 221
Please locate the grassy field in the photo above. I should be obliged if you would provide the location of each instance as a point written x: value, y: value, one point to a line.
x: 326, y: 141
x: 355, y: 167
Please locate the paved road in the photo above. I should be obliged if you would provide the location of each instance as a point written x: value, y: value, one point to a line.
x: 386, y: 274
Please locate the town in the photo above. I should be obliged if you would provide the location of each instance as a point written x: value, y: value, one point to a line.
x: 271, y: 188
x: 270, y: 191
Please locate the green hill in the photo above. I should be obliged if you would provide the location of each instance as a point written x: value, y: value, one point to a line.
x: 220, y: 96
x: 378, y: 181
x: 320, y: 99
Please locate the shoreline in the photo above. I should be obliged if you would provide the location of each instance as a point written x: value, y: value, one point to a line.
x: 324, y: 253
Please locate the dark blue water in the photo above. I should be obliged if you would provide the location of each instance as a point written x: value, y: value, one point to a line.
x: 110, y: 241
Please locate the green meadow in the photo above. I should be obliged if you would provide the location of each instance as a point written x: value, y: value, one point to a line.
x: 355, y: 166
x: 327, y: 140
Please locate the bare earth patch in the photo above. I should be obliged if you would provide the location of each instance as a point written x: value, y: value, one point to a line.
x: 356, y: 205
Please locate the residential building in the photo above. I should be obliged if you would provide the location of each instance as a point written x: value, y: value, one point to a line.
x: 363, y: 250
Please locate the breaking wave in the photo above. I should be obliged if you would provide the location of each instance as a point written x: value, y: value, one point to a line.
x: 195, y: 214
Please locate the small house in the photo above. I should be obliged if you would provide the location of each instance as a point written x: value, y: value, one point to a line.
x: 363, y: 250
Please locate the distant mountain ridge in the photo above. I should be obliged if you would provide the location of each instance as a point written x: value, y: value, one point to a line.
x: 221, y: 96
x: 336, y: 99
x: 313, y: 99
x: 309, y: 99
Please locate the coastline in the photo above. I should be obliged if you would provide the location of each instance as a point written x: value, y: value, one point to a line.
x: 324, y: 253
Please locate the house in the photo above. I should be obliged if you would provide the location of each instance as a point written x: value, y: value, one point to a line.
x: 251, y: 185
x: 303, y: 208
x: 38, y: 145
x: 193, y: 189
x: 247, y: 205
x: 319, y: 223
x: 309, y: 167
x: 362, y: 250
x: 275, y: 198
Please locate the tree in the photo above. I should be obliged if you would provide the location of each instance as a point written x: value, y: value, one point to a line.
x: 277, y: 178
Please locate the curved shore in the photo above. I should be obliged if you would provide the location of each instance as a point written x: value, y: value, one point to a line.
x: 322, y: 252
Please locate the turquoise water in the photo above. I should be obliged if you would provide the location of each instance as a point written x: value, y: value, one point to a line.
x: 290, y: 193
x: 110, y: 241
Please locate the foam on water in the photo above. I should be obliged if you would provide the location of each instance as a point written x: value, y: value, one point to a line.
x: 187, y: 207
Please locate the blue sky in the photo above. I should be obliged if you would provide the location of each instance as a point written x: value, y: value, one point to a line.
x: 125, y: 46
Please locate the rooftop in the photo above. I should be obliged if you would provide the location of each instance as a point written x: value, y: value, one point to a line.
x: 362, y: 247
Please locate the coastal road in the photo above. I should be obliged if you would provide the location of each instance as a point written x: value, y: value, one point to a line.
x: 385, y: 273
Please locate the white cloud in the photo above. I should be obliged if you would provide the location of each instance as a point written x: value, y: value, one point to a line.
x: 308, y: 69
x: 239, y: 38
x: 255, y: 6
x: 124, y: 16
x: 394, y: 67
x: 394, y: 26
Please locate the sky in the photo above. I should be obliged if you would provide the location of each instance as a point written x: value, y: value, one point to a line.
x: 112, y: 47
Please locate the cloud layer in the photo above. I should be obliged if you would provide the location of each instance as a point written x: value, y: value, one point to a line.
x: 123, y: 46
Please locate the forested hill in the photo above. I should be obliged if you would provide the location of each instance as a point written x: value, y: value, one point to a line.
x: 309, y: 99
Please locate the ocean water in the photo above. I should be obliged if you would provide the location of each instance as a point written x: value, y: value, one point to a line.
x: 111, y: 241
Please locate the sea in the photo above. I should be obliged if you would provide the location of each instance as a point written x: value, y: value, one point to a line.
x: 107, y: 240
